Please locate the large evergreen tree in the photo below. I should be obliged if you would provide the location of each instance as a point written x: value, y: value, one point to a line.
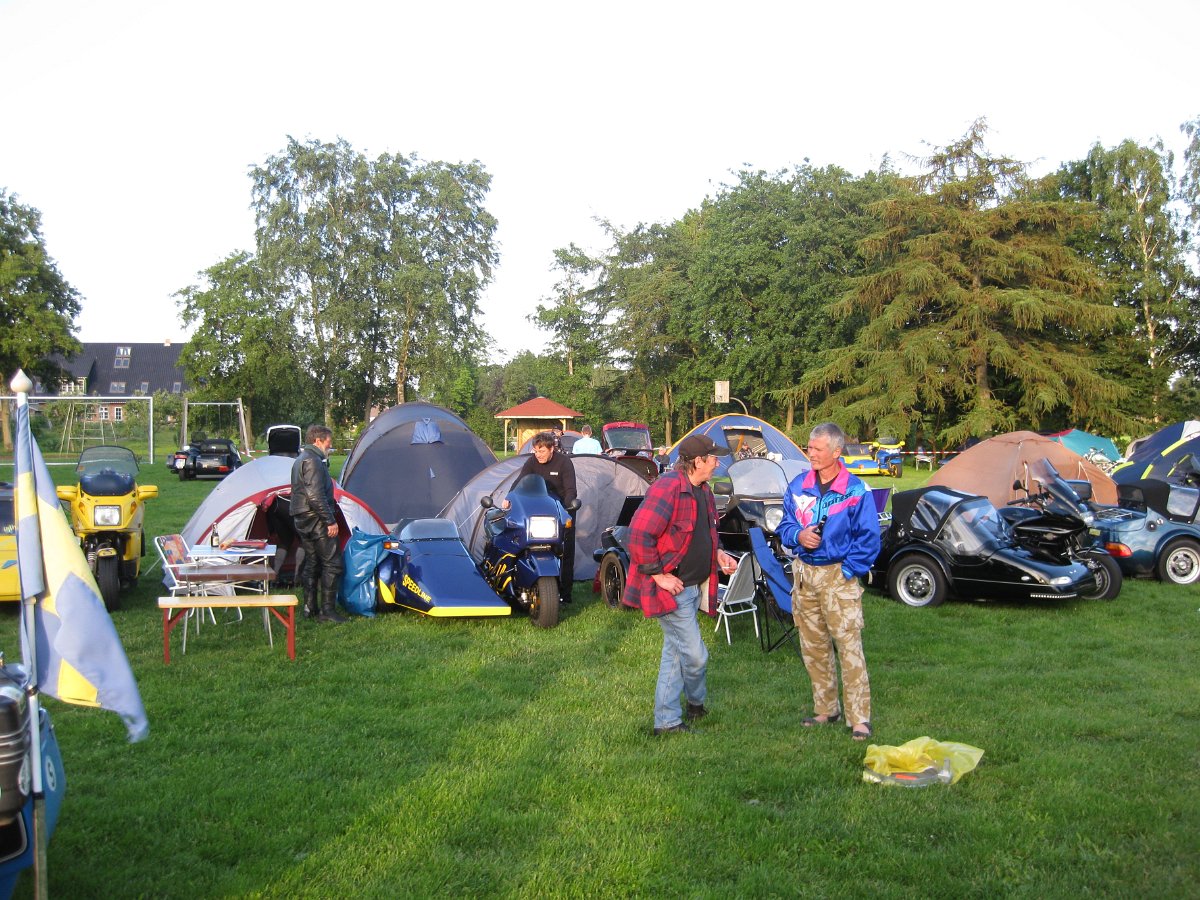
x: 979, y: 313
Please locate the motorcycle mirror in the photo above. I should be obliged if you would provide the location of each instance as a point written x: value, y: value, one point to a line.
x: 722, y: 487
x: 486, y: 501
x: 1018, y: 486
x: 574, y: 505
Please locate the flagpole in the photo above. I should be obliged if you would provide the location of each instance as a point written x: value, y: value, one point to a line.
x: 21, y: 386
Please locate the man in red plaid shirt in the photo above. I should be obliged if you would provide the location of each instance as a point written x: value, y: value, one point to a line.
x: 673, y: 554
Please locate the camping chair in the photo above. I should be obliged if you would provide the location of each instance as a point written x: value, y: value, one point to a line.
x: 773, y: 584
x: 922, y: 457
x: 737, y: 597
x: 881, y: 497
x: 173, y: 552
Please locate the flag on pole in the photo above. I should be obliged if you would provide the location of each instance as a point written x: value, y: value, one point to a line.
x: 77, y: 654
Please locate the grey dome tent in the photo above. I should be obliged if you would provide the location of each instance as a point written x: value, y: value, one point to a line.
x: 744, y: 436
x: 602, y: 483
x: 411, y: 461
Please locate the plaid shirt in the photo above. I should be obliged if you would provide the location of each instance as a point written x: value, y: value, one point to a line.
x: 659, y: 536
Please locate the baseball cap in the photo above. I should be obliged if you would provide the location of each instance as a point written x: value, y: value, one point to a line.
x: 700, y: 445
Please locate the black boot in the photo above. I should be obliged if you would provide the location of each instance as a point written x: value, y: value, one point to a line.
x: 329, y: 612
x: 311, y: 608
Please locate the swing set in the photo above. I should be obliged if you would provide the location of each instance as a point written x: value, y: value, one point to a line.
x: 235, y: 409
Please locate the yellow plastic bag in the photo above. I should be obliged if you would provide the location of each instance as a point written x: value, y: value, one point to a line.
x: 920, y: 762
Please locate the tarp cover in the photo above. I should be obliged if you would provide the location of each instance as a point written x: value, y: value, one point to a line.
x: 990, y: 467
x: 401, y: 477
x: 744, y: 435
x: 602, y: 483
x: 239, y: 505
x: 1081, y: 442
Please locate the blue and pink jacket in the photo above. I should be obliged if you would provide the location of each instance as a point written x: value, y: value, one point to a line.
x: 851, y: 532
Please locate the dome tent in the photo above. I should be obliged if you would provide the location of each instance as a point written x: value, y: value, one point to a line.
x: 254, y: 503
x: 602, y: 485
x: 990, y: 467
x: 746, y: 435
x: 1083, y: 442
x: 1161, y: 454
x: 411, y: 461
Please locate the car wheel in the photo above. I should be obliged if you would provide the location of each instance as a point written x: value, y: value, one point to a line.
x: 612, y: 580
x: 1108, y: 577
x: 545, y: 613
x: 916, y: 580
x: 1179, y: 563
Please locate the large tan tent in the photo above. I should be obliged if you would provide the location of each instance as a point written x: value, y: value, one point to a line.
x: 990, y: 467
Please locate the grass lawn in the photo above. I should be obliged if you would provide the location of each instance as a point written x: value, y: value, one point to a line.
x: 406, y: 756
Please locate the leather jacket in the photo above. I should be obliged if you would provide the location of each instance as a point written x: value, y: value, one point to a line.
x: 312, y: 486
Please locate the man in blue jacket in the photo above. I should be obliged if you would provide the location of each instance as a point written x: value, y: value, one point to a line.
x: 829, y: 519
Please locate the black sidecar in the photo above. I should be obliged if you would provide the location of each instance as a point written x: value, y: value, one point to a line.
x: 945, y: 543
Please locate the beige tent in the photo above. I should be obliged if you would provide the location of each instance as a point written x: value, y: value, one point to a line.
x: 990, y: 467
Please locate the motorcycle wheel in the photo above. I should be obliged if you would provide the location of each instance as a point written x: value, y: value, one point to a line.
x: 544, y: 612
x: 916, y: 581
x: 612, y: 581
x: 1179, y: 563
x: 108, y: 578
x: 1108, y: 578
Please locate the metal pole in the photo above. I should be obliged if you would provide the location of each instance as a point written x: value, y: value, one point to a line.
x: 21, y: 385
x: 743, y: 405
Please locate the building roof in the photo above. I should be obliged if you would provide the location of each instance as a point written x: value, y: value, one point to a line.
x: 113, y: 369
x: 538, y: 408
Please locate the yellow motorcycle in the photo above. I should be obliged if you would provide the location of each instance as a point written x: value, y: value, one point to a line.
x: 107, y: 508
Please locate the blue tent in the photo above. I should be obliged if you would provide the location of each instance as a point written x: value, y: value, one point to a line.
x: 745, y: 436
x: 411, y: 461
x: 1082, y: 442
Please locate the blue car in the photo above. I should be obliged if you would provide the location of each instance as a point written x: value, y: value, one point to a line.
x: 1153, y: 530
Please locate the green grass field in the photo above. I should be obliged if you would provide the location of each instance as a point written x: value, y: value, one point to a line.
x: 405, y: 756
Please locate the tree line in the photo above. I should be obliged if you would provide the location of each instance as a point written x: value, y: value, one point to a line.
x: 964, y: 300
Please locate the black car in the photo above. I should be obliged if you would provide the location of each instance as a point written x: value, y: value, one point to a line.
x: 945, y: 543
x: 209, y: 458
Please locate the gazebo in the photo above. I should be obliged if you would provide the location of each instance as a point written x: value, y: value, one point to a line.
x: 532, y: 416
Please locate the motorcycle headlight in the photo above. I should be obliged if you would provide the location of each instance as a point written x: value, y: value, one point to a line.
x: 543, y: 528
x: 1060, y: 580
x: 107, y: 515
x: 772, y: 517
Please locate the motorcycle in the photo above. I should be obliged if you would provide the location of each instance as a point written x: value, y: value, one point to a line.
x: 1056, y: 524
x: 107, y: 510
x: 522, y: 557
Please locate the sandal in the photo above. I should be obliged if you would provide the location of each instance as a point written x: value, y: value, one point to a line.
x: 861, y: 735
x: 812, y: 721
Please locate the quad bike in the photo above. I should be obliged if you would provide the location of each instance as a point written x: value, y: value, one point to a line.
x: 1056, y: 524
x: 107, y: 508
x: 522, y: 559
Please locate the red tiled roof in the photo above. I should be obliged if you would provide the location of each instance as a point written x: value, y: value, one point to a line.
x: 538, y: 408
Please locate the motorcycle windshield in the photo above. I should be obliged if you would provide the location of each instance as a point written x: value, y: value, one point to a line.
x: 975, y: 528
x: 758, y: 478
x: 107, y: 459
x: 1063, y: 501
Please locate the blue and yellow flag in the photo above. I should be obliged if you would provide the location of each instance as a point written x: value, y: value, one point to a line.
x: 77, y: 654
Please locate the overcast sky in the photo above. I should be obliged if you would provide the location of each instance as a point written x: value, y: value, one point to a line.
x: 132, y: 125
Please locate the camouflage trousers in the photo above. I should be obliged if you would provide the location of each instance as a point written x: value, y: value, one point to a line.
x: 827, y: 610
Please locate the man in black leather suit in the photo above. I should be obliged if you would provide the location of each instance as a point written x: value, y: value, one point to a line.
x: 314, y: 515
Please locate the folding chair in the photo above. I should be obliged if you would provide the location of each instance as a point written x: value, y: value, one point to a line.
x: 737, y: 597
x: 922, y: 457
x: 774, y: 588
x: 881, y: 497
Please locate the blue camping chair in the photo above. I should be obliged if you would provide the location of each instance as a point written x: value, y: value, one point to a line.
x: 774, y: 585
